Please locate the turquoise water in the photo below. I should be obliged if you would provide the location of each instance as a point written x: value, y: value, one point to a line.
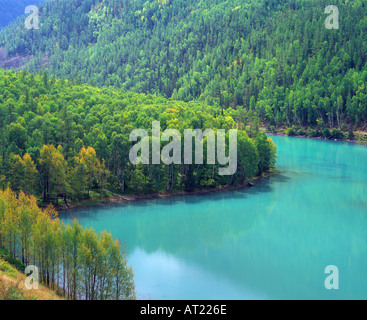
x: 272, y: 241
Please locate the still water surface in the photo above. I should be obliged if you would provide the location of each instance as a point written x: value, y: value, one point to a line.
x: 272, y: 241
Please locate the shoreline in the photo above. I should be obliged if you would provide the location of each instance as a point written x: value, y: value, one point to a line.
x: 282, y: 134
x: 125, y: 198
x: 116, y: 198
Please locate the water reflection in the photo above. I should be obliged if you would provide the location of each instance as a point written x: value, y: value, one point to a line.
x: 271, y: 241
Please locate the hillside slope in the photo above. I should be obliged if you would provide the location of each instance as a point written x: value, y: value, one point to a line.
x: 12, y: 287
x: 275, y: 57
x: 12, y: 281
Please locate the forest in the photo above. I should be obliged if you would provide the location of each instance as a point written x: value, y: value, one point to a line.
x: 74, y: 261
x: 60, y: 140
x: 273, y: 57
x: 72, y: 91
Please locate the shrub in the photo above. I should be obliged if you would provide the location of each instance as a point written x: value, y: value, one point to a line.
x: 8, y: 269
x: 337, y: 134
x: 326, y: 133
x: 6, y: 256
x: 351, y: 135
x: 312, y: 133
x: 301, y: 132
x: 271, y: 128
x: 291, y: 131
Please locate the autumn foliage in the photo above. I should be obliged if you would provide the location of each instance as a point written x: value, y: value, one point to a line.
x: 76, y: 262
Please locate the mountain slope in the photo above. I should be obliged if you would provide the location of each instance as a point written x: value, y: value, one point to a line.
x: 275, y: 57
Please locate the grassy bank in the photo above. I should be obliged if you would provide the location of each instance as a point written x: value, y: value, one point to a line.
x: 12, y: 282
x: 12, y: 286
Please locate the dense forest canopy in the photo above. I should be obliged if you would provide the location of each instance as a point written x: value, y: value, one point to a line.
x: 275, y: 57
x: 60, y: 139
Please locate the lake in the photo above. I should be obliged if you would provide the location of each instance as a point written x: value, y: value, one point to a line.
x: 272, y: 241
